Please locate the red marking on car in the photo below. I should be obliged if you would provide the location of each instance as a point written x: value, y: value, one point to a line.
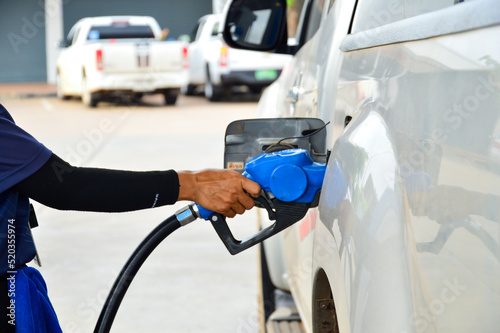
x: 185, y: 57
x: 313, y: 213
x: 98, y: 56
x: 223, y: 56
x: 235, y: 165
x: 308, y: 224
x: 304, y: 228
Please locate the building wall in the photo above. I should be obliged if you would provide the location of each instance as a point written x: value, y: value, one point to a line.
x: 22, y: 41
x: 179, y: 16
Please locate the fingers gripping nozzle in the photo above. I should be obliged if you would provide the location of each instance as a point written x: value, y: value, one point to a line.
x: 291, y: 183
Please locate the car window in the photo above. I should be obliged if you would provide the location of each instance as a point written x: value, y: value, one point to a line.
x: 215, y: 29
x: 75, y: 37
x: 120, y: 31
x: 193, y: 35
x: 293, y: 16
x: 70, y: 39
x: 330, y: 5
x: 314, y: 18
x: 375, y: 13
x: 417, y: 7
x: 198, y: 29
x: 304, y: 18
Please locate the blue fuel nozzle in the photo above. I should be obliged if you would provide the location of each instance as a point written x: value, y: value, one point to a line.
x: 291, y: 182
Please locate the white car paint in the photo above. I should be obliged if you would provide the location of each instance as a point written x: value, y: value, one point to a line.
x: 212, y: 62
x: 137, y: 65
x: 407, y: 231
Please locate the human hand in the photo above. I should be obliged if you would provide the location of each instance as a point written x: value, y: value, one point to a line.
x: 223, y: 191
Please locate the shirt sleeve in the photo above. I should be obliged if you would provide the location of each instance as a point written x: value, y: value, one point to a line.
x: 21, y: 154
x: 59, y: 185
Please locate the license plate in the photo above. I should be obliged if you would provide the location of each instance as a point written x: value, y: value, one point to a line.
x: 269, y: 74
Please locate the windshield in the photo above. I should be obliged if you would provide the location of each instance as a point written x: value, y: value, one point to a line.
x: 117, y: 31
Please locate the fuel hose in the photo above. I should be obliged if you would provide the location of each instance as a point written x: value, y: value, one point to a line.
x: 146, y: 247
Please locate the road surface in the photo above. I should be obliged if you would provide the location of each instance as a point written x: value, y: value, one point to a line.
x: 190, y: 283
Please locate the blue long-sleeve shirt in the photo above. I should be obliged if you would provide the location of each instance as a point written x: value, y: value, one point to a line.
x: 21, y: 155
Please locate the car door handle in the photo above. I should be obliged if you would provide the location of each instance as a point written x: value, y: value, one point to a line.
x: 293, y: 94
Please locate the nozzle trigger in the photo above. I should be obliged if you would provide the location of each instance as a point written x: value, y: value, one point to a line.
x: 267, y: 205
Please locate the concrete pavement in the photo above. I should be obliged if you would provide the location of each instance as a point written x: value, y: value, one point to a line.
x: 27, y: 90
x: 190, y: 283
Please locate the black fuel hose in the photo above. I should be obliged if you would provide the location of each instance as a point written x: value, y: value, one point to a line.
x: 128, y: 272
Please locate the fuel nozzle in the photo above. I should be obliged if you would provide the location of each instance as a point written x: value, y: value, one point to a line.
x: 291, y: 183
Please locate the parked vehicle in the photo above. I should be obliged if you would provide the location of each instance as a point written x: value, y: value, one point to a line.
x: 115, y: 55
x: 217, y: 68
x: 406, y: 237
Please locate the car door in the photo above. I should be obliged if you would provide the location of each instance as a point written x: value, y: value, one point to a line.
x: 408, y: 198
x: 322, y: 28
x: 303, y: 92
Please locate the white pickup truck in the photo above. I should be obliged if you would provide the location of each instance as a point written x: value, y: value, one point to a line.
x: 114, y: 55
x: 217, y: 67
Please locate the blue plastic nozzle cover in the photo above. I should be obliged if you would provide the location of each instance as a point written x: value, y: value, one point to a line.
x: 290, y: 175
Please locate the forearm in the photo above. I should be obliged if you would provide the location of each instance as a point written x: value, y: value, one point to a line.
x: 59, y: 185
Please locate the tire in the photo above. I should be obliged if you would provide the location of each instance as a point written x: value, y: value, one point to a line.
x: 188, y: 90
x: 89, y: 98
x: 213, y: 92
x: 136, y: 98
x: 267, y: 292
x: 171, y: 96
x: 59, y: 85
x: 256, y: 89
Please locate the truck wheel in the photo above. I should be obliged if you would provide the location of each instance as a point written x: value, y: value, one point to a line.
x: 256, y: 89
x: 188, y: 90
x: 171, y: 96
x: 136, y: 98
x: 213, y: 92
x: 60, y: 93
x: 89, y: 98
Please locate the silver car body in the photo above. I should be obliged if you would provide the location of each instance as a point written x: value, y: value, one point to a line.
x: 407, y: 234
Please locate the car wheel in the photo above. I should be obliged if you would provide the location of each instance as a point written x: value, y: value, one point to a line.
x: 60, y: 93
x: 267, y: 289
x: 136, y: 98
x: 256, y: 89
x: 171, y: 96
x: 89, y: 98
x: 213, y: 92
x: 188, y: 90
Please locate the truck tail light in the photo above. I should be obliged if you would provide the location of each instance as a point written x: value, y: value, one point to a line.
x: 98, y: 59
x: 185, y: 58
x: 223, y: 56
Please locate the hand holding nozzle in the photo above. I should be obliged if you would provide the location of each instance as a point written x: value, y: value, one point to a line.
x: 223, y: 191
x: 291, y: 184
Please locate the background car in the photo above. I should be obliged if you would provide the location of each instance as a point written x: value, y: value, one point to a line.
x: 217, y: 68
x: 120, y: 55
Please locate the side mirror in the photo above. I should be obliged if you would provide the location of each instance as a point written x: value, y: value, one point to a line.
x: 255, y: 25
